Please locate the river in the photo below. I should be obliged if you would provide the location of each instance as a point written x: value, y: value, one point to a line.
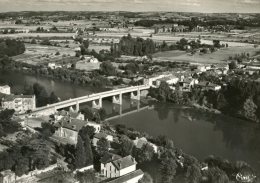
x: 195, y: 132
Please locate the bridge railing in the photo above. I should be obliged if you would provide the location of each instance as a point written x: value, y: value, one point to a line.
x: 92, y: 96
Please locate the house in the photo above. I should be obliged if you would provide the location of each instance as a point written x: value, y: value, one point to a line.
x: 54, y: 66
x: 101, y: 135
x: 187, y: 83
x: 140, y: 142
x: 20, y: 103
x: 68, y: 129
x: 7, y: 176
x: 170, y: 80
x: 88, y: 64
x: 118, y: 167
x: 132, y: 177
x: 208, y: 86
x: 73, y: 115
x: 5, y: 89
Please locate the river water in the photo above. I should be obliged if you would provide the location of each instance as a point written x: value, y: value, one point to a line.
x: 195, y: 132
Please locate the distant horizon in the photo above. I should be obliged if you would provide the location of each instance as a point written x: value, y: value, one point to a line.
x: 185, y: 6
x: 111, y: 11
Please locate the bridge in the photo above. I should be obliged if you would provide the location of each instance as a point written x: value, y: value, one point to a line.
x: 96, y: 99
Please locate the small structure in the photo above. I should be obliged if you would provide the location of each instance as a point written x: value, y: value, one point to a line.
x: 170, y: 80
x: 140, y: 142
x: 20, y: 103
x: 245, y: 175
x: 187, y: 83
x: 101, y: 135
x: 5, y: 89
x: 7, y: 176
x: 54, y: 66
x: 119, y: 167
x: 71, y: 114
x: 88, y: 63
x: 68, y: 129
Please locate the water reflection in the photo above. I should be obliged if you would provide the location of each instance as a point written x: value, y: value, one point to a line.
x: 200, y: 133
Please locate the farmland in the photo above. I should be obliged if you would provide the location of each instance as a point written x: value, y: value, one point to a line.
x: 220, y: 56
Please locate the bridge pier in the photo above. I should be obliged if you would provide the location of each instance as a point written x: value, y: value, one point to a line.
x: 95, y: 105
x: 119, y: 100
x: 136, y: 97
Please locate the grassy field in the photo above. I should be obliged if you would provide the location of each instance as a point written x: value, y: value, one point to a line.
x: 40, y: 54
x: 219, y: 56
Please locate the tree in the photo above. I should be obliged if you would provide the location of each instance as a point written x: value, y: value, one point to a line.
x: 84, y: 133
x: 144, y: 154
x: 102, y: 114
x: 53, y: 98
x: 107, y: 68
x: 216, y: 175
x: 80, y: 158
x: 146, y: 178
x: 47, y: 129
x: 87, y: 130
x: 249, y: 110
x: 126, y: 146
x: 168, y: 168
x: 86, y: 177
x: 232, y: 65
x: 193, y: 174
x: 216, y: 43
x: 33, y: 41
x: 164, y: 91
x: 102, y: 146
x: 88, y: 113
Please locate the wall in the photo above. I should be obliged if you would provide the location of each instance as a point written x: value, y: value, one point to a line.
x: 127, y: 170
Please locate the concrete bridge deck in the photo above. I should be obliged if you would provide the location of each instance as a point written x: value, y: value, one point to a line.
x: 92, y: 97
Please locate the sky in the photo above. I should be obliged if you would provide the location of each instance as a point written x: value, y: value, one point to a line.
x: 205, y: 6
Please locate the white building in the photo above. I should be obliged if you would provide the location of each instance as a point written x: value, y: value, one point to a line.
x: 20, y: 103
x: 132, y: 177
x: 170, y: 80
x: 88, y: 64
x: 54, y: 66
x: 5, y: 89
x: 118, y: 167
x: 7, y: 176
x: 73, y: 115
x: 68, y: 129
x: 99, y: 136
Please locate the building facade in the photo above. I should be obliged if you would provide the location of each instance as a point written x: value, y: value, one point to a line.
x: 5, y: 89
x: 7, y: 176
x: 19, y: 103
x: 118, y: 167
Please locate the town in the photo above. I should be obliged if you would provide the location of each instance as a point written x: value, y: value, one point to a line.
x: 205, y: 62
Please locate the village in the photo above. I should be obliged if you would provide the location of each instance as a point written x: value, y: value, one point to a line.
x: 167, y: 57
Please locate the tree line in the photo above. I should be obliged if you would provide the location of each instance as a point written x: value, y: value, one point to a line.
x: 11, y: 47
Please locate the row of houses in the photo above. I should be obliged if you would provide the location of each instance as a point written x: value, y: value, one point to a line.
x: 114, y: 168
x: 19, y: 103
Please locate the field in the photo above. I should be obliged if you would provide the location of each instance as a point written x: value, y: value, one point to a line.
x: 219, y: 56
x: 40, y: 54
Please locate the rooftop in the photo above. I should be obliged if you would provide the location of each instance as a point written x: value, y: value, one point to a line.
x: 5, y: 86
x: 68, y: 113
x: 5, y: 173
x: 108, y: 157
x: 72, y: 124
x: 124, y: 162
x: 100, y: 135
x: 13, y: 97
